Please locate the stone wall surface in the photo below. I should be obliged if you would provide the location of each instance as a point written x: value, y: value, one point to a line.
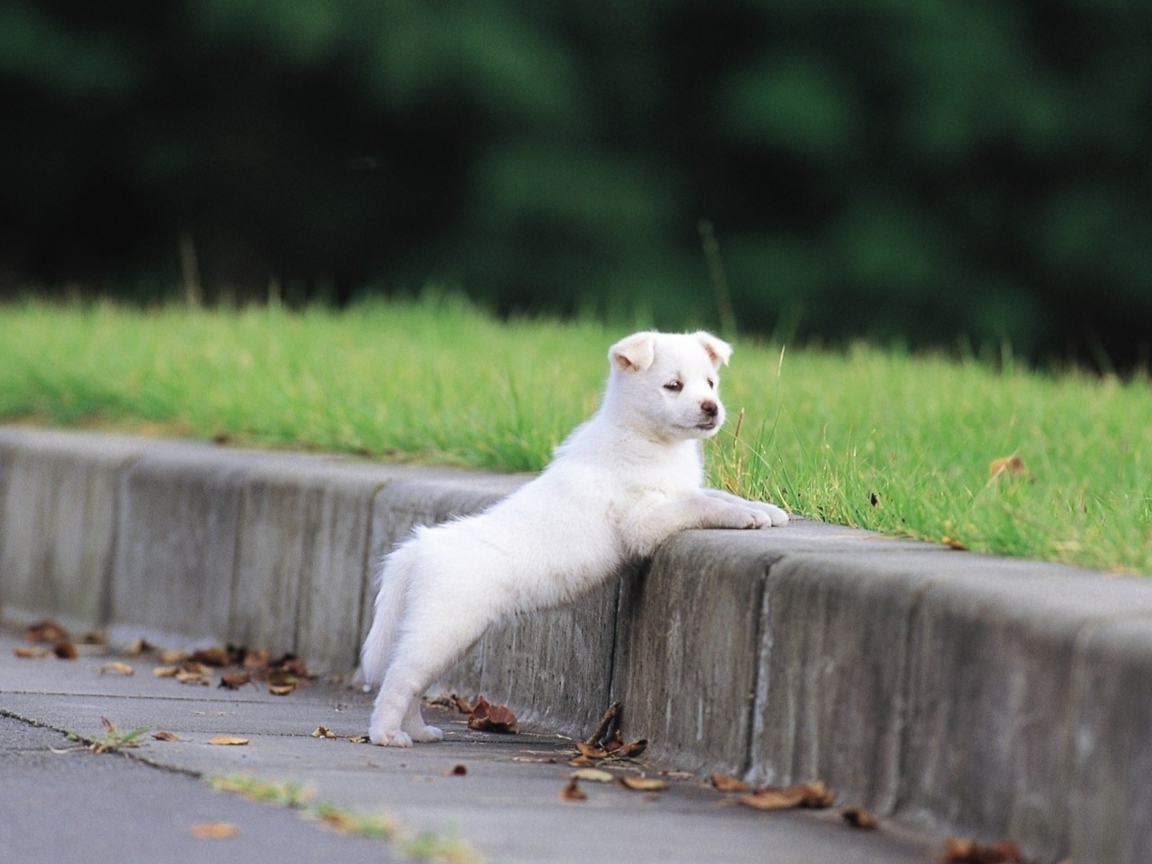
x: 971, y: 693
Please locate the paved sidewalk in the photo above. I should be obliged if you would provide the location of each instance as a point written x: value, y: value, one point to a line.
x: 74, y: 805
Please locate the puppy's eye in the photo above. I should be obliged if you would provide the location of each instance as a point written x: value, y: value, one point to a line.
x: 674, y: 386
x: 711, y: 384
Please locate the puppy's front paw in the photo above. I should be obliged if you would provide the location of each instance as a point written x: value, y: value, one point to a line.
x: 390, y: 738
x: 778, y: 518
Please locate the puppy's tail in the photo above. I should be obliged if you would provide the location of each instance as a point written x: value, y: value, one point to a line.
x: 391, y: 595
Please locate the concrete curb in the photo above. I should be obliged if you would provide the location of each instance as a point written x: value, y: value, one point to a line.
x: 964, y: 692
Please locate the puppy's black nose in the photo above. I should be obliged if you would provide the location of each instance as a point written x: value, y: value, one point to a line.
x: 709, y: 408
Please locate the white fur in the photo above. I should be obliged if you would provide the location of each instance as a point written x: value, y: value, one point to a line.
x: 622, y: 483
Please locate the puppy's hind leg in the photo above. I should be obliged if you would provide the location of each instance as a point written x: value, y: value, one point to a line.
x: 425, y: 648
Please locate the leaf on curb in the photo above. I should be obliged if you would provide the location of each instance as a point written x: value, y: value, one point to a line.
x: 116, y: 668
x: 815, y: 795
x: 486, y: 717
x: 458, y: 771
x: 214, y: 831
x: 594, y: 775
x: 573, y: 792
x: 323, y: 732
x: 65, y: 651
x: 172, y: 658
x: 32, y: 652
x: 858, y: 817
x: 235, y: 680
x: 962, y: 850
x: 645, y: 784
x: 256, y: 658
x: 166, y: 671
x: 360, y: 739
x: 632, y: 749
x: 166, y: 736
x: 725, y: 783
x: 228, y: 741
x: 953, y: 543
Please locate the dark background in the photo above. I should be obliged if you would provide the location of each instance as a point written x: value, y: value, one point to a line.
x: 957, y: 174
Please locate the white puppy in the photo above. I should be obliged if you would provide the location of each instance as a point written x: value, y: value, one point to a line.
x: 622, y: 483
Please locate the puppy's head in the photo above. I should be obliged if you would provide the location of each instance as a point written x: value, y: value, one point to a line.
x: 669, y: 383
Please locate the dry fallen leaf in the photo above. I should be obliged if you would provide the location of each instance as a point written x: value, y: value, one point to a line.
x: 235, y: 680
x: 32, y: 652
x: 256, y: 658
x: 858, y: 817
x: 632, y: 749
x: 725, y: 783
x: 228, y: 741
x: 166, y: 736
x: 281, y: 682
x: 594, y: 775
x: 323, y: 732
x: 360, y: 739
x: 214, y: 656
x: 589, y: 751
x: 486, y: 717
x: 45, y: 631
x: 186, y: 677
x: 93, y: 637
x: 645, y: 784
x: 1011, y: 465
x: 116, y: 668
x: 458, y: 771
x: 573, y: 792
x: 140, y: 646
x: 166, y: 671
x: 215, y: 831
x: 807, y: 795
x: 170, y: 658
x: 962, y: 850
x: 953, y: 543
x: 65, y: 651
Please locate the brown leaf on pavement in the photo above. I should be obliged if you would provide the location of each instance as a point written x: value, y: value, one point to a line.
x: 166, y: 736
x: 458, y: 771
x: 323, y: 732
x: 228, y: 741
x: 590, y: 751
x: 594, y: 775
x: 213, y: 656
x: 215, y: 831
x: 256, y: 658
x: 32, y: 652
x: 963, y: 850
x: 858, y: 817
x: 645, y: 784
x: 45, y: 630
x: 65, y: 651
x: 632, y: 749
x: 725, y: 783
x: 172, y: 658
x: 166, y: 671
x: 573, y: 792
x: 140, y: 646
x: 281, y: 682
x: 116, y: 668
x: 486, y: 717
x: 815, y: 795
x: 235, y: 680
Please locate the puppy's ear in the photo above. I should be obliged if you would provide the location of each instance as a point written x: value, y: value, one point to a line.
x: 633, y: 353
x: 719, y: 350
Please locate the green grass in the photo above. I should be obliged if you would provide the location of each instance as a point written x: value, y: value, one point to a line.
x: 870, y: 438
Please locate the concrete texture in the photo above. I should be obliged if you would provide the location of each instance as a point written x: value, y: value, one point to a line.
x: 76, y: 806
x: 958, y: 691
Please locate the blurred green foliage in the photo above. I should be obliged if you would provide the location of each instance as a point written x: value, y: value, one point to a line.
x: 925, y: 171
